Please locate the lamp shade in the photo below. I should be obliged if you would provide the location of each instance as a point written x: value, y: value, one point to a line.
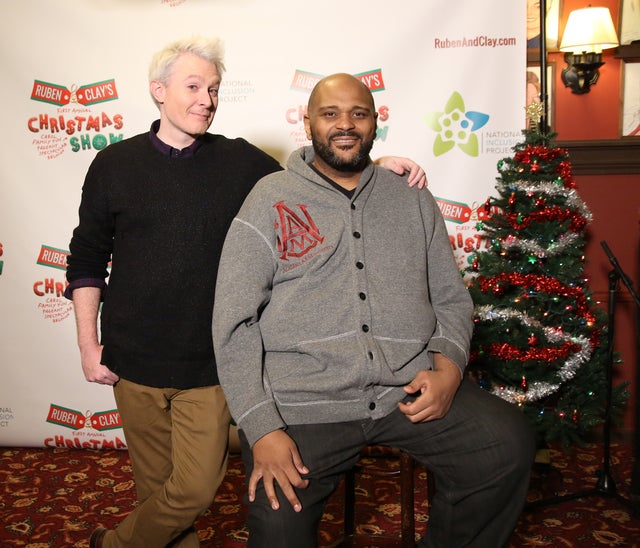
x: 589, y: 29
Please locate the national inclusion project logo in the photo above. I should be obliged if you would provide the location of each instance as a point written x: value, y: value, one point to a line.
x: 456, y: 126
x: 74, y: 124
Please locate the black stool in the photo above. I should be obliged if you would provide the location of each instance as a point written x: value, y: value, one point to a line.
x: 405, y: 470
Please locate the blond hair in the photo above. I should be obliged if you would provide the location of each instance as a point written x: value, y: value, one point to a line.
x: 209, y: 49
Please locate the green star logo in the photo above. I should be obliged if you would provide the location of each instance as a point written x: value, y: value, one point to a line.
x: 456, y: 126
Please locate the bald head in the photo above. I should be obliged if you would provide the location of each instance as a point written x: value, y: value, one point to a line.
x: 341, y: 83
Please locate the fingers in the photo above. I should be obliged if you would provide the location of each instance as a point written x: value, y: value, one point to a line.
x: 423, y: 183
x: 413, y: 387
x: 103, y: 375
x: 253, y: 484
x: 419, y: 383
x: 427, y: 405
x: 417, y: 177
x: 286, y: 485
x: 289, y: 493
x: 416, y: 413
x: 432, y: 404
x: 297, y: 462
x: 277, y: 460
x: 93, y: 370
x: 110, y: 379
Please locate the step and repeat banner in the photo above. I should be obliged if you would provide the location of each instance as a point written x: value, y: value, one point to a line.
x: 449, y: 83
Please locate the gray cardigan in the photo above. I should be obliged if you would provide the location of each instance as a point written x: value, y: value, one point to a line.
x: 326, y: 306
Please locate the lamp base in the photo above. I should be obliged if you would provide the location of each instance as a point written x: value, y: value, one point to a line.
x: 581, y: 71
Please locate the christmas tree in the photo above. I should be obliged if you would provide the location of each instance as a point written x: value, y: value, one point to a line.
x: 540, y: 341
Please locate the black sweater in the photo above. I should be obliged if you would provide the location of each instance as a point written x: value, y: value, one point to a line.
x: 162, y: 222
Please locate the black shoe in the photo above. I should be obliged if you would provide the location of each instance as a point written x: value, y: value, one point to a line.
x: 97, y: 537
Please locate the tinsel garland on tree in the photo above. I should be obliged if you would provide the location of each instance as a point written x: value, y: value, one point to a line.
x: 540, y: 341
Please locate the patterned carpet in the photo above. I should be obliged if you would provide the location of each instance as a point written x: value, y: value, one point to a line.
x: 55, y: 498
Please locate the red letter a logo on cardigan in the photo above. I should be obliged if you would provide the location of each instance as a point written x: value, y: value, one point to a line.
x: 297, y: 235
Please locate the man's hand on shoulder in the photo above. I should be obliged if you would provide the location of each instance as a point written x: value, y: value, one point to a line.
x: 401, y: 166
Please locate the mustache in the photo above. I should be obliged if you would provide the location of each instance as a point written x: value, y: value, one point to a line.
x: 339, y: 134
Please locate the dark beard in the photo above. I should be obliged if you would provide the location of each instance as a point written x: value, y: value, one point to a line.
x: 356, y: 163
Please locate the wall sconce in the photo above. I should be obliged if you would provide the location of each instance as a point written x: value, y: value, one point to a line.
x: 588, y: 32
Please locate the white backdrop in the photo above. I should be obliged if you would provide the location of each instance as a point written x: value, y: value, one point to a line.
x: 448, y: 80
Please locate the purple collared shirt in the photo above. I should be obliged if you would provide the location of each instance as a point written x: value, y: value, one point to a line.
x: 168, y: 150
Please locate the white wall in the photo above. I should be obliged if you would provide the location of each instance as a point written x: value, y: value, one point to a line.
x: 423, y: 51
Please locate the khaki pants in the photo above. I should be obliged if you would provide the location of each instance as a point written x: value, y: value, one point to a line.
x: 177, y: 442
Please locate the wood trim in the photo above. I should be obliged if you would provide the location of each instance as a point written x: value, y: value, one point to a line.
x: 604, y: 157
x: 628, y: 52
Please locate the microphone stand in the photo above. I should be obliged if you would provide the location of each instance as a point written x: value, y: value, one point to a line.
x: 635, y: 475
x: 605, y: 486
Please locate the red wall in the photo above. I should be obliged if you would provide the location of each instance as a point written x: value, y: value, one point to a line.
x: 614, y: 200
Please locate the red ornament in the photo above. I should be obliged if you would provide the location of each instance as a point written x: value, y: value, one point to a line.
x: 506, y: 352
x: 564, y: 170
x: 530, y: 153
x: 497, y: 284
x: 553, y: 213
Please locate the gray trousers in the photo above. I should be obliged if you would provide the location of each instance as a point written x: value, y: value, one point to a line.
x: 480, y: 453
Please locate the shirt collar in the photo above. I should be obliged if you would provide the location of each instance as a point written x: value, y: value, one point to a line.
x: 168, y: 150
x: 346, y: 192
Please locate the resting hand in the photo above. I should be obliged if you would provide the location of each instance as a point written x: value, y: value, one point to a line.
x: 276, y: 458
x: 93, y: 370
x: 437, y: 389
x: 400, y: 166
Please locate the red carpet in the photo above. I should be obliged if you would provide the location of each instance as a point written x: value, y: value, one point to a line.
x: 55, y: 498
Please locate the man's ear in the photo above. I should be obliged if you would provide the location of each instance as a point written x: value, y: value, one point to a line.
x: 307, y: 126
x: 157, y: 90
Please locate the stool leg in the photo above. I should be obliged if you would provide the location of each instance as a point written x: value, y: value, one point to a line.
x: 431, y: 487
x: 407, y: 516
x: 349, y: 503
